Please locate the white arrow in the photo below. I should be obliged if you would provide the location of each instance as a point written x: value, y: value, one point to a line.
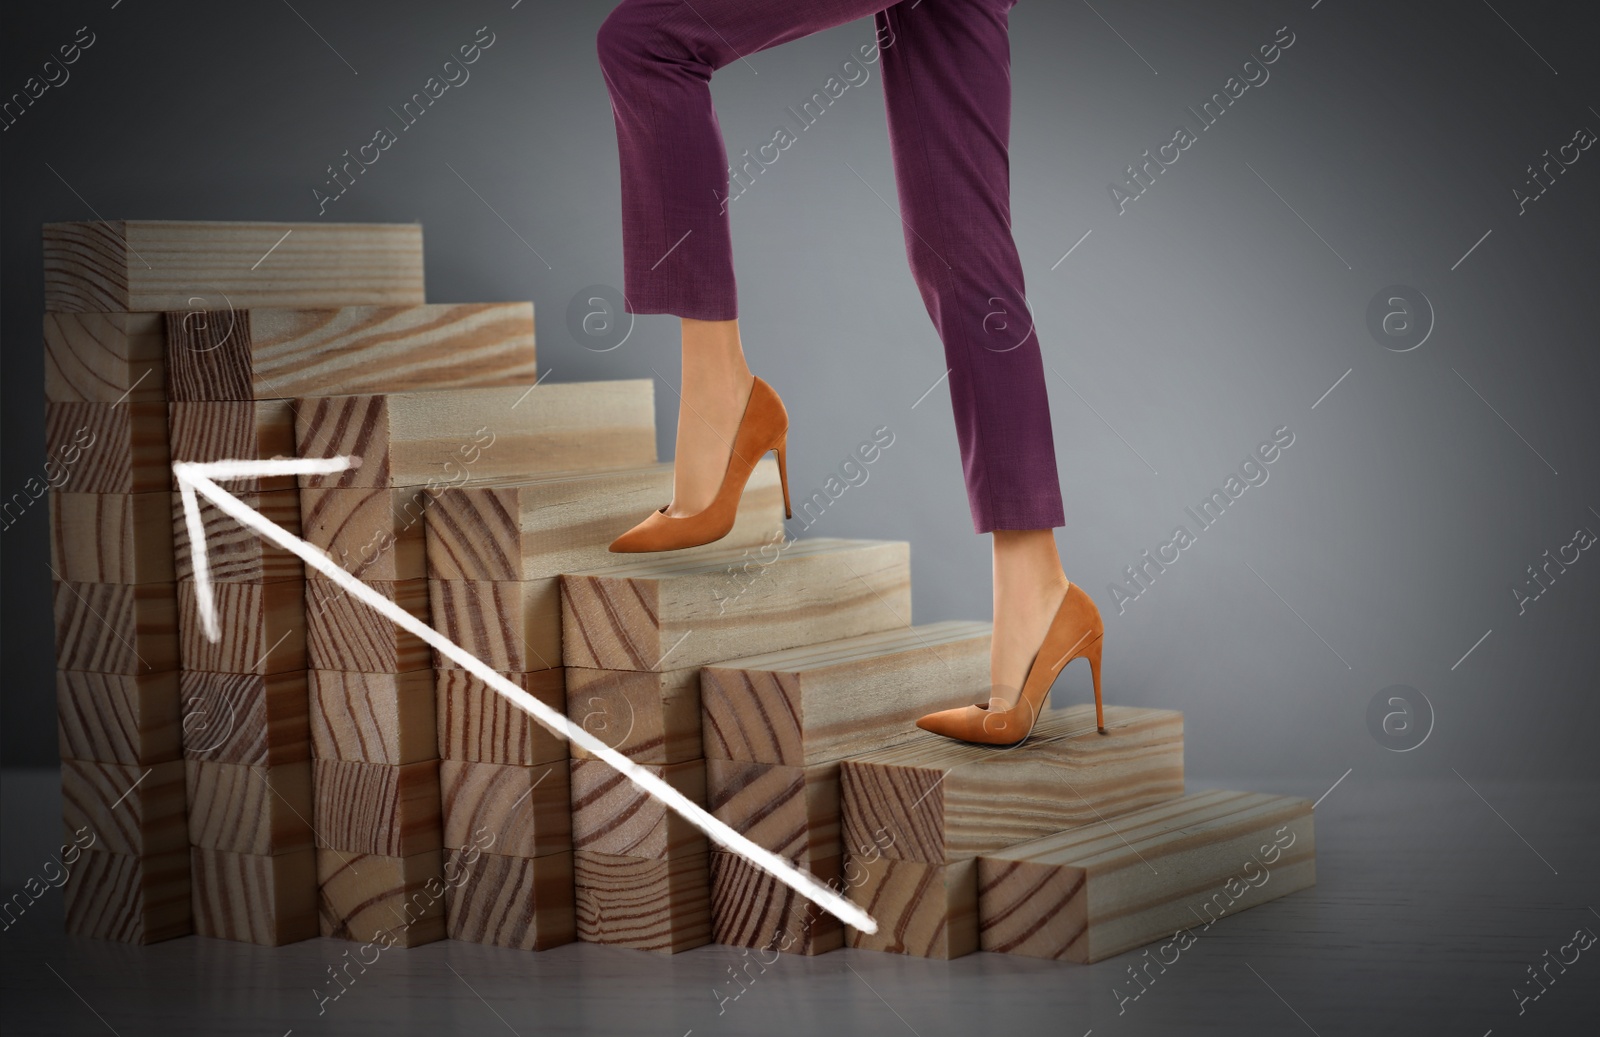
x: 195, y: 477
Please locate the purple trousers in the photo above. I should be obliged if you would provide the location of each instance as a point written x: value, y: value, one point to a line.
x: 947, y: 91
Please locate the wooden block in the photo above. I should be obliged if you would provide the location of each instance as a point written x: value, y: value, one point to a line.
x: 374, y: 533
x: 252, y: 898
x: 612, y: 815
x: 104, y: 357
x: 116, y: 628
x: 378, y: 808
x: 792, y: 811
x: 145, y: 265
x: 525, y: 903
x: 651, y: 717
x: 479, y: 724
x: 565, y: 522
x: 751, y: 908
x: 710, y: 609
x: 118, y: 718
x: 111, y: 537
x: 653, y: 905
x: 1107, y: 887
x: 822, y: 702
x: 235, y: 553
x: 386, y: 901
x: 115, y: 896
x: 131, y: 809
x: 108, y: 447
x: 345, y: 633
x: 373, y: 717
x: 925, y: 910
x: 234, y: 430
x: 263, y: 628
x: 253, y: 810
x: 262, y: 353
x: 943, y: 800
x: 511, y: 626
x: 516, y: 811
x: 246, y: 718
x: 472, y: 436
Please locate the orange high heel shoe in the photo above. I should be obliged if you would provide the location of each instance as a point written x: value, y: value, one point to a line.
x: 1077, y: 630
x: 763, y: 426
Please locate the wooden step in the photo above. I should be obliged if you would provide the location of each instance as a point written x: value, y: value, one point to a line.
x: 751, y: 908
x: 514, y: 811
x: 258, y: 720
x: 373, y: 717
x: 134, y: 899
x: 251, y: 810
x: 478, y: 724
x: 375, y: 533
x: 651, y: 717
x: 512, y: 626
x: 656, y: 905
x: 105, y: 357
x: 112, y: 537
x: 792, y: 811
x: 385, y: 901
x: 924, y: 910
x: 564, y: 522
x: 377, y: 808
x: 345, y: 633
x: 254, y: 898
x: 728, y: 605
x: 133, y: 810
x: 822, y: 702
x: 1111, y: 885
x: 612, y: 815
x: 143, y: 265
x: 234, y: 552
x: 473, y: 436
x: 118, y: 718
x: 524, y: 903
x: 266, y: 353
x: 263, y: 628
x: 108, y: 447
x: 942, y: 800
x: 119, y: 628
x: 208, y: 431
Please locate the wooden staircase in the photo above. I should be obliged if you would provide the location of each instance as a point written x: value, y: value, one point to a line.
x: 320, y: 771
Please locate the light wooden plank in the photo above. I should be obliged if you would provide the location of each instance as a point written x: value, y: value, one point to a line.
x: 751, y: 908
x: 131, y: 809
x: 792, y: 811
x: 479, y: 724
x: 108, y: 447
x: 255, y: 810
x: 263, y: 628
x: 728, y: 605
x: 115, y: 896
x: 373, y: 717
x: 235, y: 553
x: 381, y: 900
x: 104, y: 357
x: 252, y: 898
x: 377, y: 808
x: 111, y: 537
x: 345, y: 633
x: 514, y: 626
x: 115, y: 627
x: 235, y: 430
x: 118, y: 718
x: 924, y: 910
x: 942, y: 800
x: 612, y: 815
x: 517, y: 811
x: 654, y: 905
x: 264, y: 353
x: 145, y: 265
x: 651, y: 717
x: 826, y: 701
x: 259, y: 720
x: 525, y: 903
x: 566, y: 521
x: 472, y: 436
x: 375, y: 533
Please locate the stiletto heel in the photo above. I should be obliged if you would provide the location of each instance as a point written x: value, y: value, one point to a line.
x: 783, y: 475
x: 1092, y: 653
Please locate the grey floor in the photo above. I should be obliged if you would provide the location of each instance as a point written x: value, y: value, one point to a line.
x: 1434, y: 898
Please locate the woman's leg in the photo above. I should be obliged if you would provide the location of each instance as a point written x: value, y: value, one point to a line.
x: 947, y: 90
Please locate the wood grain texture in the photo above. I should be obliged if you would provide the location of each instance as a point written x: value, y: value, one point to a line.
x: 135, y: 810
x: 116, y: 628
x: 463, y: 437
x: 252, y: 719
x: 612, y: 815
x: 1095, y: 891
x: 924, y: 910
x: 234, y: 553
x: 478, y: 724
x: 943, y: 800
x: 104, y: 357
x: 234, y: 430
x: 373, y: 533
x: 253, y: 810
x: 344, y: 633
x: 373, y: 717
x: 145, y: 265
x: 653, y: 905
x: 108, y: 447
x: 651, y: 717
x: 750, y: 908
x: 377, y: 808
x: 252, y: 898
x: 263, y: 353
x: 517, y: 811
x: 525, y: 903
x: 383, y: 900
x: 118, y: 718
x: 822, y: 702
x: 513, y: 626
x: 114, y: 896
x: 792, y: 811
x: 727, y: 606
x: 111, y: 537
x: 263, y: 628
x: 565, y: 522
